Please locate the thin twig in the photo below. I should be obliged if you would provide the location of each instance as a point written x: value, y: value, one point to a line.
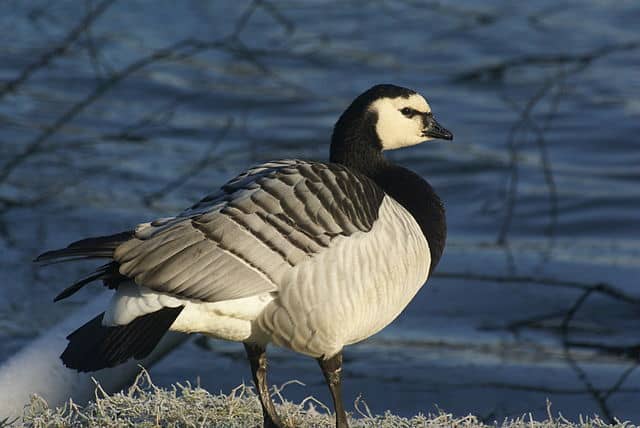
x: 94, y: 54
x: 176, y: 51
x: 196, y: 169
x: 617, y: 387
x: 525, y: 115
x: 58, y: 50
x: 580, y: 372
x: 497, y: 71
x: 628, y: 351
x: 600, y: 287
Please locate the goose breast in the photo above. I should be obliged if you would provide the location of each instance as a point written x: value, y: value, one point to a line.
x: 353, y: 290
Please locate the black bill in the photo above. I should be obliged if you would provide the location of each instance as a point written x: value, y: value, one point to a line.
x: 434, y: 130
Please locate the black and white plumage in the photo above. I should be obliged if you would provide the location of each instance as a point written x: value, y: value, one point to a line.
x: 310, y: 256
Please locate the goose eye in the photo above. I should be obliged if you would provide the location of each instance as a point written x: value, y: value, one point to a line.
x: 407, y: 111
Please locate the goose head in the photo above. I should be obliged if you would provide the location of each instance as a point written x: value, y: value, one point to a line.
x: 385, y: 117
x: 405, y: 120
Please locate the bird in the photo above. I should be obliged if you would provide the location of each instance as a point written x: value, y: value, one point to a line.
x: 306, y: 255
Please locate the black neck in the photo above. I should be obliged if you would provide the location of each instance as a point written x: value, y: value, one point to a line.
x: 358, y: 147
x: 355, y: 144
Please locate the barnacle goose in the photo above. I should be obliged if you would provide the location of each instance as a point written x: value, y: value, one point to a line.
x: 310, y: 256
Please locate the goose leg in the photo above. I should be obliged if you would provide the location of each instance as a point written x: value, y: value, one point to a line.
x: 332, y: 370
x: 257, y: 356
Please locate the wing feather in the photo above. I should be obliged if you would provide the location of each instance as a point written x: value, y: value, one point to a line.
x: 244, y: 239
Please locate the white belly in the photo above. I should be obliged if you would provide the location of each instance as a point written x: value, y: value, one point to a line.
x: 229, y: 319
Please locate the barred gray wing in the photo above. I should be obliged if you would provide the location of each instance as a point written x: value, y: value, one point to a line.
x: 242, y: 240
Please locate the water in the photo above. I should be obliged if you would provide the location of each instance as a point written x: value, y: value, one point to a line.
x: 541, y: 180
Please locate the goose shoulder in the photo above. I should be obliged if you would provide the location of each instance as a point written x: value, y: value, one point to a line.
x: 242, y: 240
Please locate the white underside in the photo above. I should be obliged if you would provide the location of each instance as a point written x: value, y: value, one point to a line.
x: 341, y: 296
x: 228, y: 320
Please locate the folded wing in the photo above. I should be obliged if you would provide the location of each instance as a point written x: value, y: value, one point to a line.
x: 242, y: 240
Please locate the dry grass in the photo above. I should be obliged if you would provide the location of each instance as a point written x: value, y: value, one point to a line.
x: 145, y: 405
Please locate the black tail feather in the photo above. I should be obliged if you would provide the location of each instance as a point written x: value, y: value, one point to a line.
x: 90, y: 248
x: 108, y: 273
x: 97, y: 274
x: 93, y: 346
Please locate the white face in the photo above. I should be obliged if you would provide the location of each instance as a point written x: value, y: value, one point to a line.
x: 396, y: 129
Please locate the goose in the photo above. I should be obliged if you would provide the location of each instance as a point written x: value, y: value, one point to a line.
x: 310, y: 256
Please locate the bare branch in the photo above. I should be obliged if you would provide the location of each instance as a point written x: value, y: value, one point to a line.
x: 536, y: 19
x: 600, y: 287
x: 176, y: 51
x: 243, y: 20
x: 194, y: 170
x: 598, y: 395
x: 580, y: 372
x: 627, y: 351
x: 525, y: 120
x: 617, y: 387
x: 498, y: 71
x: 58, y: 50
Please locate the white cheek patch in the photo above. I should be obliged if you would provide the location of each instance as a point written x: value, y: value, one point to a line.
x: 396, y: 130
x: 393, y: 128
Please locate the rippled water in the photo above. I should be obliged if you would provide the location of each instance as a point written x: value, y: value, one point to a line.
x: 540, y: 183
